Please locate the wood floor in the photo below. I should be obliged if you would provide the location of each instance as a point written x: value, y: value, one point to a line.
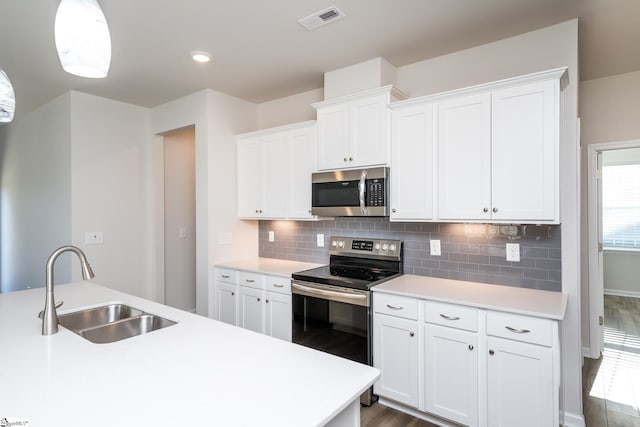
x: 611, y: 384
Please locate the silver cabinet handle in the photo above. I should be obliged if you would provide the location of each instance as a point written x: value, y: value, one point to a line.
x: 470, y: 347
x: 518, y: 331
x: 411, y: 334
x: 444, y: 316
x: 495, y: 210
x: 224, y: 276
x: 394, y: 307
x: 278, y: 286
x: 394, y: 210
x: 361, y: 190
x: 249, y: 280
x: 485, y: 210
x: 329, y: 293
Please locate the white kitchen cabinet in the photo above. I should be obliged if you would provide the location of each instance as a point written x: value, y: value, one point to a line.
x: 353, y: 131
x: 395, y: 350
x: 251, y: 309
x: 451, y: 373
x: 274, y: 172
x: 226, y: 296
x: 412, y: 157
x: 278, y: 315
x: 498, y: 153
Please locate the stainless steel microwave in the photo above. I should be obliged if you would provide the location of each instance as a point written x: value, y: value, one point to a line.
x: 354, y: 192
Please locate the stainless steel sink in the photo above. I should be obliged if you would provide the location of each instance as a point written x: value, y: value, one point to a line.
x: 111, y: 323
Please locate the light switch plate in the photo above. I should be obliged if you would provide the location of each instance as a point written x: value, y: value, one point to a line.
x: 320, y: 240
x: 435, y: 247
x: 513, y: 252
x: 272, y: 236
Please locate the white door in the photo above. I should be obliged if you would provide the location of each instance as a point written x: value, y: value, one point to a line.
x: 520, y: 384
x: 369, y: 130
x: 412, y: 163
x: 333, y: 137
x: 464, y: 158
x: 278, y: 315
x: 251, y: 309
x: 395, y: 353
x: 524, y: 152
x: 301, y: 162
x: 274, y: 176
x: 451, y: 373
x: 227, y: 300
x: 250, y: 185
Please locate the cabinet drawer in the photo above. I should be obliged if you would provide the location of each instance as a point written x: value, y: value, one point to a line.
x: 281, y: 285
x: 521, y: 328
x: 226, y: 275
x: 451, y: 315
x: 394, y: 305
x: 252, y: 280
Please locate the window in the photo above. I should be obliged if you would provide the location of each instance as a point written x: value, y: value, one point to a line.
x: 621, y: 206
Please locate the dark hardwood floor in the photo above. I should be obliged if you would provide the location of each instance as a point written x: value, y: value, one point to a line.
x: 611, y: 384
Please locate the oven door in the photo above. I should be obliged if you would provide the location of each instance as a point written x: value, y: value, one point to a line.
x: 332, y: 319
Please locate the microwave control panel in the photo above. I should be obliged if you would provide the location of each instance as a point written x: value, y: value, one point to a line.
x: 375, y: 192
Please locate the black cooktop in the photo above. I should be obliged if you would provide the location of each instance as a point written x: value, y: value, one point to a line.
x: 347, y: 276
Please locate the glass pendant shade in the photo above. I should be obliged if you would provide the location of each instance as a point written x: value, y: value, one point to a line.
x: 82, y: 38
x: 7, y: 98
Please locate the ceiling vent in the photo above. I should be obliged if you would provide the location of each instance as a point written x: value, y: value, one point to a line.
x: 323, y: 17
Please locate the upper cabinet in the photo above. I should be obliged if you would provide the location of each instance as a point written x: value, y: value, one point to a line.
x: 274, y: 172
x: 353, y: 131
x: 494, y: 153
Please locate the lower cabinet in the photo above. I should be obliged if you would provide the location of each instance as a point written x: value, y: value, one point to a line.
x: 259, y: 302
x: 466, y: 365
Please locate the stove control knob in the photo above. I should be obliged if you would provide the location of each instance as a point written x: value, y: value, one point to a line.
x: 392, y: 248
x: 385, y: 246
x: 334, y: 243
x: 341, y: 244
x: 377, y: 246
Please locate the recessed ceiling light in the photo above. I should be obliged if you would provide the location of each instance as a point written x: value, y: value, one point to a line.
x: 200, y: 56
x: 7, y: 98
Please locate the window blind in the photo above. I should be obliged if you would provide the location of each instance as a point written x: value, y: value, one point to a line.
x: 621, y: 206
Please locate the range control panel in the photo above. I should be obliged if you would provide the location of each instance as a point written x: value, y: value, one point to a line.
x: 373, y: 248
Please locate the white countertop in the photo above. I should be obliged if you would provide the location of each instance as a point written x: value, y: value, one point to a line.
x: 197, y: 372
x: 275, y: 267
x: 531, y: 302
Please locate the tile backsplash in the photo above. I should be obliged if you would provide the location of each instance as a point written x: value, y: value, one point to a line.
x: 474, y: 252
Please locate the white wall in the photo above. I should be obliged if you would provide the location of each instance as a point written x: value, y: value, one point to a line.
x: 180, y: 219
x: 551, y: 47
x: 109, y: 189
x: 622, y: 273
x: 35, y: 195
x: 291, y: 109
x: 220, y: 235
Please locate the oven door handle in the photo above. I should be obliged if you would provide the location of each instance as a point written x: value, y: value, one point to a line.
x: 329, y: 293
x: 361, y: 191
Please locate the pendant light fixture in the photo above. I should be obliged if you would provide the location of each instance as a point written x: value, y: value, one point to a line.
x: 7, y: 98
x: 82, y: 38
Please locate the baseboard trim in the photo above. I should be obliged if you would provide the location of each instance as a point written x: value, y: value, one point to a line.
x: 573, y: 420
x: 619, y: 293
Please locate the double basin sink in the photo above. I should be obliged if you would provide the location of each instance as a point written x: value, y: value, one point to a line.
x: 112, y: 322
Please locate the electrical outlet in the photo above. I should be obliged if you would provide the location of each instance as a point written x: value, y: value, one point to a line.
x: 93, y: 238
x: 435, y: 247
x: 513, y: 252
x: 320, y: 240
x: 272, y: 236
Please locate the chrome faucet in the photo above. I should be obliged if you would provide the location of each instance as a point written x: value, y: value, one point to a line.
x: 49, y: 315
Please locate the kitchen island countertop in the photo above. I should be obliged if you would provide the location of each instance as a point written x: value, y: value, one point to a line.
x: 197, y: 372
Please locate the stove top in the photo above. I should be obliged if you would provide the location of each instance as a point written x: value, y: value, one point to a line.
x: 357, y: 263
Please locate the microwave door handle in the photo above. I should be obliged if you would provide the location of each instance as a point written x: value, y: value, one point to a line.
x: 361, y: 190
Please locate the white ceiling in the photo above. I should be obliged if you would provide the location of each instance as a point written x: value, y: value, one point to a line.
x: 261, y: 53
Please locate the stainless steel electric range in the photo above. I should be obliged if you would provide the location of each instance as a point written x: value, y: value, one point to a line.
x: 332, y: 304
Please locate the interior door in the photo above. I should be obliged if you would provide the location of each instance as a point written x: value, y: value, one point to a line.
x: 600, y: 258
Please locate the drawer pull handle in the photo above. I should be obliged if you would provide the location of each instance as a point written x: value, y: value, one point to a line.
x: 278, y: 286
x: 518, y: 331
x: 225, y: 276
x: 249, y: 280
x: 444, y: 316
x: 411, y: 334
x: 394, y: 307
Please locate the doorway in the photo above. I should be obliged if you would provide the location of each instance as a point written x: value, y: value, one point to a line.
x: 180, y: 219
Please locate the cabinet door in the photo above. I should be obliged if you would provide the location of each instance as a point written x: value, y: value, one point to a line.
x: 250, y: 184
x: 520, y: 384
x: 278, y: 315
x: 274, y: 178
x: 464, y: 158
x: 251, y: 309
x: 301, y: 162
x: 333, y: 137
x: 412, y: 163
x: 227, y: 302
x: 451, y: 373
x: 525, y: 152
x: 369, y: 131
x: 395, y: 353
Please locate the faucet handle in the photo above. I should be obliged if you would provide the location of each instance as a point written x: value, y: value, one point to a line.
x: 58, y: 305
